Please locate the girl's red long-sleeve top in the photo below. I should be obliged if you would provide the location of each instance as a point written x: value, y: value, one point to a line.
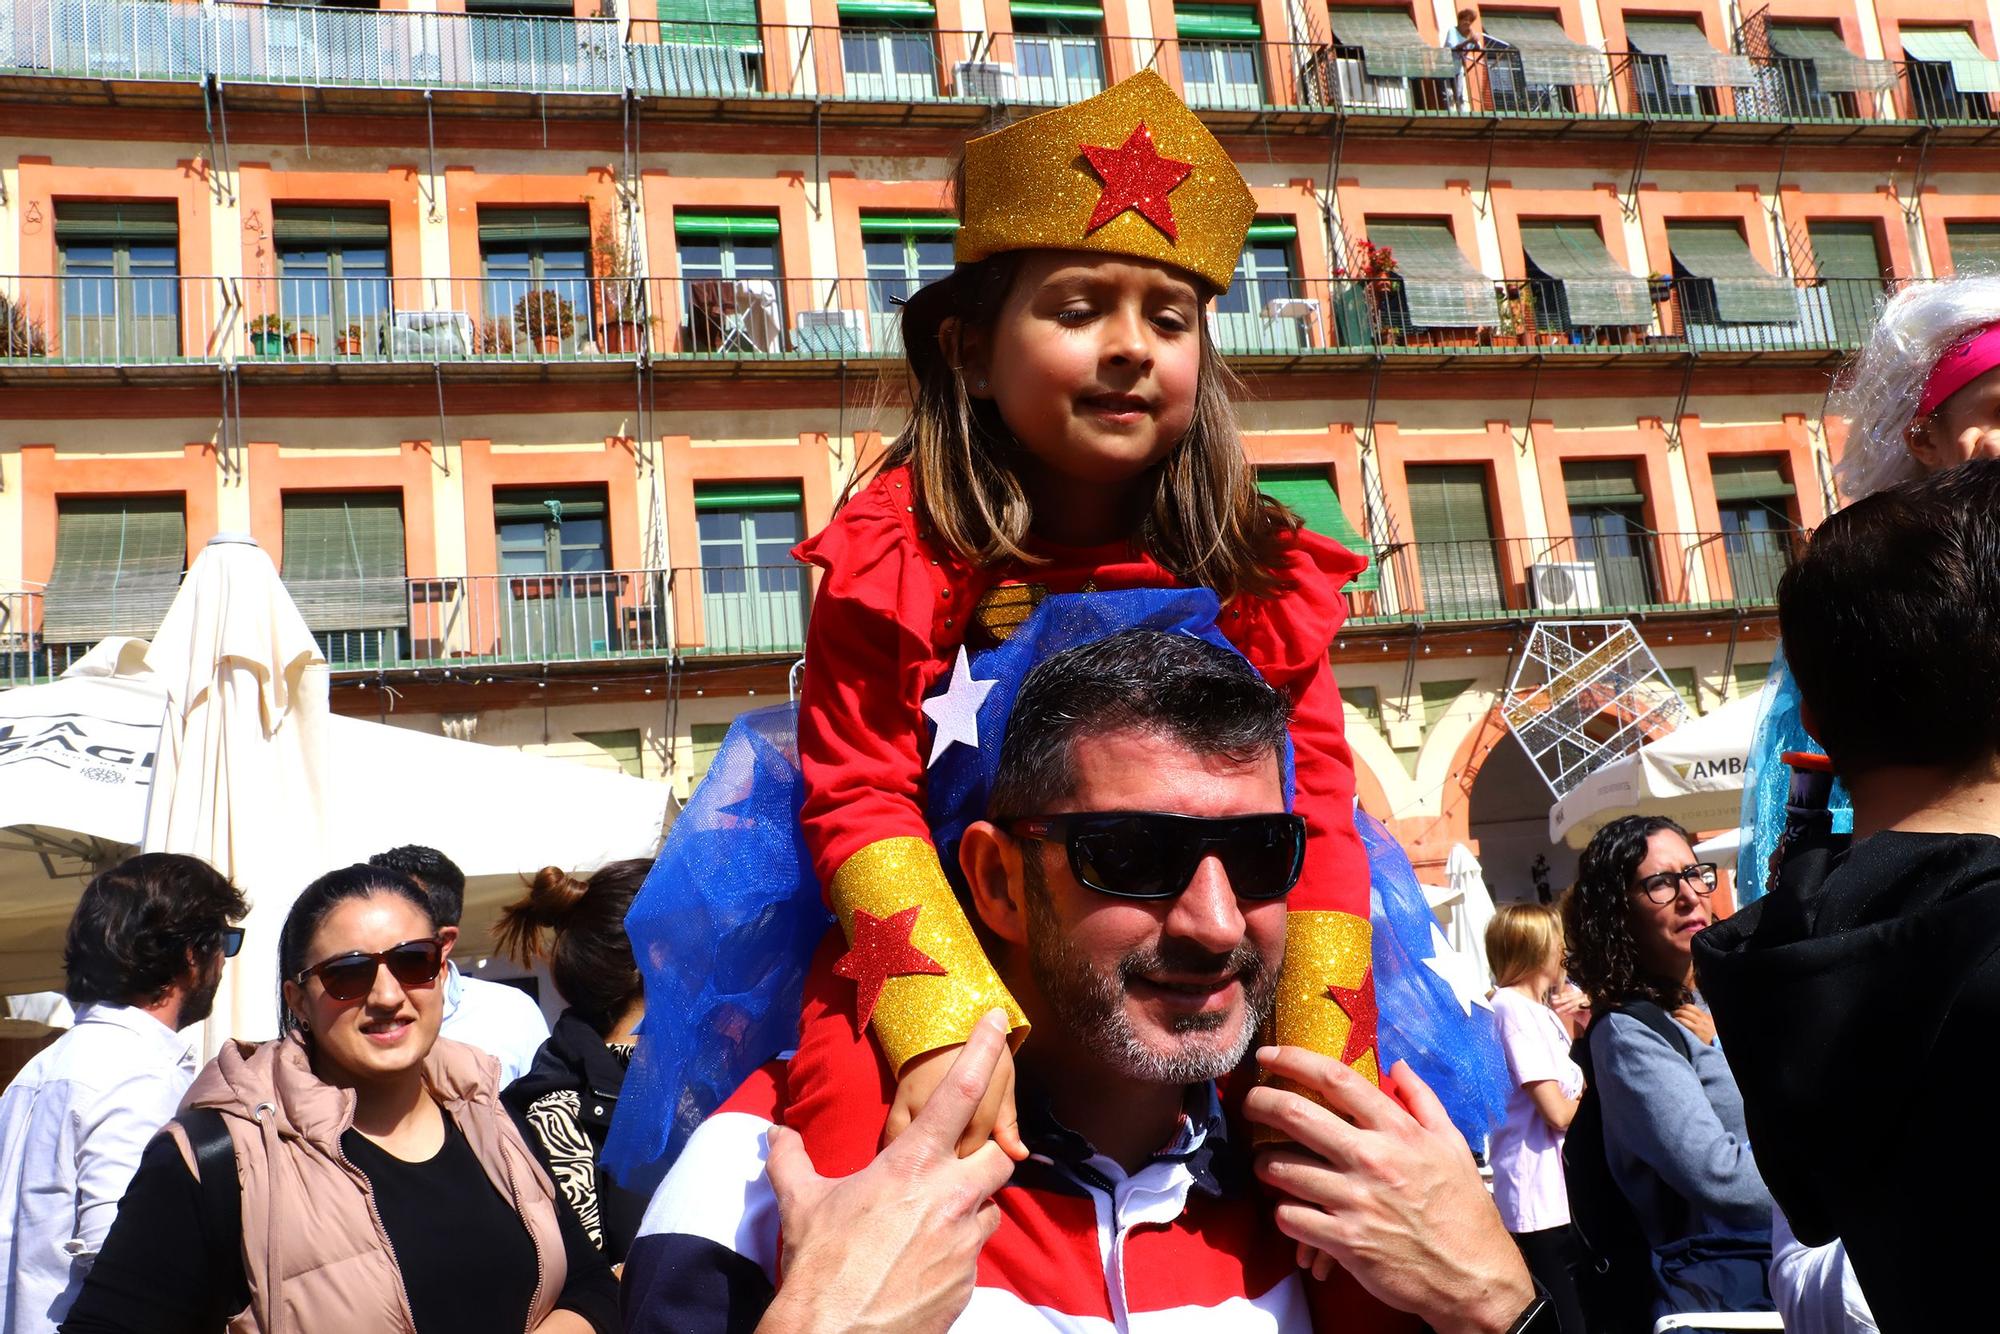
x: 893, y: 608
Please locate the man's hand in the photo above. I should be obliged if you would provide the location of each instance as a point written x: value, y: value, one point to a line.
x: 994, y: 1119
x: 1392, y: 1194
x: 1697, y: 1021
x: 896, y: 1245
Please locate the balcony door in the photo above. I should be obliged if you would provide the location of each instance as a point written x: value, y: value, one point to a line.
x: 1452, y: 520
x: 732, y: 296
x: 888, y: 50
x: 1262, y: 310
x: 1754, y: 499
x: 903, y: 254
x: 1220, y: 66
x: 753, y: 594
x: 344, y: 567
x: 517, y: 43
x: 1607, y: 522
x: 120, y: 265
x: 1058, y: 51
x: 333, y: 278
x: 1849, y: 261
x: 536, y: 263
x: 556, y: 601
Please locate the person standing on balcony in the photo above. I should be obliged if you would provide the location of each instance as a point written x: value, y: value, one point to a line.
x: 500, y: 1020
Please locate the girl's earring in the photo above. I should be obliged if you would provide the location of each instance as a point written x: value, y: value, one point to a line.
x: 982, y: 383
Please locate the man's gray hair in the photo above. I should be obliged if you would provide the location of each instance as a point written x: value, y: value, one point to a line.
x: 1199, y: 694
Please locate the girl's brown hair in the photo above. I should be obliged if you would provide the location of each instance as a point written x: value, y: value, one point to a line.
x: 1520, y: 939
x: 589, y: 954
x: 1199, y: 514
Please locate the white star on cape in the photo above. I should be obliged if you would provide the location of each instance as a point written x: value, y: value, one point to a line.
x: 956, y: 709
x: 1459, y: 973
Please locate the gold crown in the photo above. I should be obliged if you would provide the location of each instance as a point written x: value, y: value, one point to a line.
x: 1130, y: 171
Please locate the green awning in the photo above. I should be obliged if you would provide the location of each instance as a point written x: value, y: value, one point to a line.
x: 1054, y: 9
x: 748, y: 496
x: 127, y: 220
x: 1309, y: 493
x: 1975, y: 246
x: 312, y: 225
x: 1971, y: 69
x: 1598, y: 289
x: 887, y: 9
x: 725, y: 224
x: 1602, y: 482
x: 564, y: 225
x: 118, y: 564
x: 1550, y: 57
x: 343, y: 560
x: 1440, y: 285
x: 904, y: 224
x: 1745, y: 291
x: 1692, y: 60
x: 1217, y: 22
x: 1749, y: 477
x: 1838, y: 69
x: 737, y: 17
x: 1845, y: 249
x: 1391, y: 47
x: 1270, y: 229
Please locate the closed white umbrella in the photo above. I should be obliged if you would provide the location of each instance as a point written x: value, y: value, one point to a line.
x: 241, y: 777
x: 1693, y: 775
x: 1473, y: 910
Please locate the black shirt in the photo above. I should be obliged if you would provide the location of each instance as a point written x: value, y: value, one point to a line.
x: 467, y: 1261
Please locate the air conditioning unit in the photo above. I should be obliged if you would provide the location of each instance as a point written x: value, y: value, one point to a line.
x: 839, y: 332
x: 1569, y: 585
x: 988, y: 80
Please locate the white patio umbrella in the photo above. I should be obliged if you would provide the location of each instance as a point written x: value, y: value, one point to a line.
x: 1694, y: 775
x: 241, y: 777
x: 1474, y: 907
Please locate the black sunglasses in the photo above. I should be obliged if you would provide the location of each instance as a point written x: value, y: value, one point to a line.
x: 232, y: 941
x: 346, y: 977
x: 1666, y: 886
x: 1153, y: 855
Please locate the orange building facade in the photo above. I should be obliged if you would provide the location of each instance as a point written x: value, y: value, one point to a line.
x: 528, y: 339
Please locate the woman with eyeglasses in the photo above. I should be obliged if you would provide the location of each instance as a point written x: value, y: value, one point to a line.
x: 379, y: 1183
x: 1674, y: 1137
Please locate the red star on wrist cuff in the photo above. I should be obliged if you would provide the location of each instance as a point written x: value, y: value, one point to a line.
x: 1358, y: 1003
x: 1136, y: 176
x: 882, y: 950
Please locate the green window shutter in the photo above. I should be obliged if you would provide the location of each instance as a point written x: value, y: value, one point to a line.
x: 1056, y: 9
x: 905, y: 224
x: 1228, y: 23
x: 706, y: 740
x: 344, y: 560
x: 1970, y: 68
x: 1598, y: 289
x: 125, y: 220
x: 310, y: 224
x: 1845, y: 249
x: 1438, y: 697
x: 118, y: 565
x: 749, y: 496
x: 518, y: 225
x: 1440, y: 284
x: 1366, y: 701
x: 1308, y: 493
x: 1271, y: 229
x: 1692, y: 59
x: 1749, y: 477
x: 1684, y: 684
x: 707, y: 12
x: 1749, y: 677
x: 1391, y: 46
x: 901, y: 10
x: 1448, y: 503
x: 1745, y: 291
x: 724, y: 224
x: 1975, y: 246
x: 1602, y: 482
x: 623, y: 746
x: 1838, y: 69
x: 1549, y: 56
x: 550, y: 506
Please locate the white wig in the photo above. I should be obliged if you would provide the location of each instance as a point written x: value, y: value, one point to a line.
x: 1879, y: 390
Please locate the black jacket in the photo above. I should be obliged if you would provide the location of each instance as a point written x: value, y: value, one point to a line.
x: 1859, y: 1005
x: 576, y: 1058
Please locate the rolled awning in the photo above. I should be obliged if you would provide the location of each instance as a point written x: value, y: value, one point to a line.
x: 1549, y: 56
x: 1745, y: 291
x: 1391, y: 47
x: 1971, y: 70
x: 1598, y: 289
x: 1838, y: 69
x: 1692, y: 61
x: 1442, y: 288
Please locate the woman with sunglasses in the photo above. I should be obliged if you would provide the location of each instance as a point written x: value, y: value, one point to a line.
x: 380, y: 1184
x: 1673, y: 1132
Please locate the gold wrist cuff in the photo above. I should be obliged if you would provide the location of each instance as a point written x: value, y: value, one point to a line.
x: 1325, y: 985
x: 918, y: 1013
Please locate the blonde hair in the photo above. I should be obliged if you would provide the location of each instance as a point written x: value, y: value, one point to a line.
x: 1520, y: 939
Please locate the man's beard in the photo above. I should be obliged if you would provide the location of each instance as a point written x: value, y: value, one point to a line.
x: 1090, y: 1002
x: 199, y: 1002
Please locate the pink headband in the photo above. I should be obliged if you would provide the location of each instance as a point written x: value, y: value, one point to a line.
x: 1962, y: 363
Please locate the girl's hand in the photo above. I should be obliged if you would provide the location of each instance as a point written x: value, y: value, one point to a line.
x: 1698, y: 1021
x: 993, y: 1119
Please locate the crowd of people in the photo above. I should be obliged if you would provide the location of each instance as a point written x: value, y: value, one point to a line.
x: 1091, y: 1039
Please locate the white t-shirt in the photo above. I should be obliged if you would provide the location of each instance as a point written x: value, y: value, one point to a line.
x: 1526, y: 1152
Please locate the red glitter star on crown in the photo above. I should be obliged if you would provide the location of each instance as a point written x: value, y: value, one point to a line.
x: 1135, y: 176
x: 882, y: 950
x: 1358, y: 1003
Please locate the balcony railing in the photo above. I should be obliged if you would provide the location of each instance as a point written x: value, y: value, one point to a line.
x: 1629, y: 574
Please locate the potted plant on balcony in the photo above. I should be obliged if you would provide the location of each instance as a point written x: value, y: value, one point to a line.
x: 306, y: 343
x: 270, y: 335
x: 350, y: 341
x: 494, y: 338
x: 546, y: 319
x: 616, y: 262
x: 1375, y: 265
x: 21, y: 334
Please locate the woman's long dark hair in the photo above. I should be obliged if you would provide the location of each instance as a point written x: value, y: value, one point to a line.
x: 1601, y: 952
x: 321, y: 897
x: 590, y: 956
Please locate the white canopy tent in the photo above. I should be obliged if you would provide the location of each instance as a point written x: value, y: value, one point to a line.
x: 1694, y: 775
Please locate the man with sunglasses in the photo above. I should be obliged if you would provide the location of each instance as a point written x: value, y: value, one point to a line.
x: 1129, y: 881
x: 143, y: 959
